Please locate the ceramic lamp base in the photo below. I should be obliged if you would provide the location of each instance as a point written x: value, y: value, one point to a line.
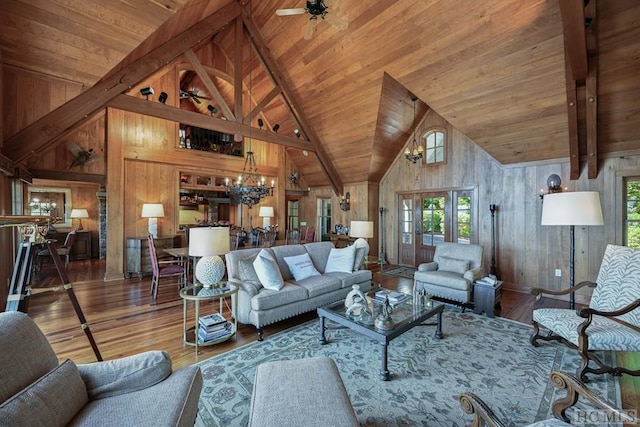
x: 210, y: 270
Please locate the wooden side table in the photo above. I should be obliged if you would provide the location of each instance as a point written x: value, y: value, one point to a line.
x: 198, y: 293
x: 486, y: 297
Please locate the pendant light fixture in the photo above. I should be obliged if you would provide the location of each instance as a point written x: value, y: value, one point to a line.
x: 414, y: 153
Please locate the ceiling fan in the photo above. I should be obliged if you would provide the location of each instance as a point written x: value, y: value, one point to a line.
x: 317, y: 9
x: 192, y: 94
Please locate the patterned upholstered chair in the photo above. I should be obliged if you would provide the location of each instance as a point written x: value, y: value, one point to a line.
x: 483, y: 415
x: 612, y: 321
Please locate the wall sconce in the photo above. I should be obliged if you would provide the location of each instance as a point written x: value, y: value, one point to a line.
x: 163, y: 97
x: 297, y: 133
x: 260, y: 123
x: 212, y: 109
x: 553, y: 185
x: 276, y: 127
x: 146, y: 91
x: 293, y: 178
x: 345, y: 202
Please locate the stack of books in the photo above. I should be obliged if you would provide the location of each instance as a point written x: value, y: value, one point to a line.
x: 395, y: 297
x: 213, y: 327
x: 488, y: 281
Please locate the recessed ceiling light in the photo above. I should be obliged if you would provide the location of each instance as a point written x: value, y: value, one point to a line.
x: 305, y: 153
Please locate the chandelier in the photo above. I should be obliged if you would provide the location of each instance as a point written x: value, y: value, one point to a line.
x: 249, y: 189
x: 414, y: 153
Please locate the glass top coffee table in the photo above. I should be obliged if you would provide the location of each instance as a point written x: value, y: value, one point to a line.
x: 405, y: 316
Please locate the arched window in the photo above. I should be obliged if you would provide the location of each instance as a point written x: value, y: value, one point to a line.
x: 435, y: 146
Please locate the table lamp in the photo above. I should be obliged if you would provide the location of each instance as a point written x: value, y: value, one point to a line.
x: 266, y: 212
x: 153, y: 211
x: 362, y: 229
x: 209, y: 243
x: 79, y: 213
x: 572, y: 208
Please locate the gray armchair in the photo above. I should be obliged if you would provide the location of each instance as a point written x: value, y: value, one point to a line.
x: 138, y: 390
x: 451, y: 275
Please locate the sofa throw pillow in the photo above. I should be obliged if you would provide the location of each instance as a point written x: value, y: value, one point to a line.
x: 246, y: 272
x: 267, y: 271
x: 53, y: 400
x: 301, y: 266
x: 362, y: 250
x: 341, y: 260
x: 453, y: 265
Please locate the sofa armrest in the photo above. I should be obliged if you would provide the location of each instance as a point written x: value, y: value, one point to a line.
x: 248, y: 288
x: 473, y: 275
x: 428, y: 266
x: 124, y: 375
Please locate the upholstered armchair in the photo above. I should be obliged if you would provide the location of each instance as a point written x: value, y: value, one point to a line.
x: 139, y: 390
x: 483, y: 415
x: 451, y: 275
x: 612, y: 320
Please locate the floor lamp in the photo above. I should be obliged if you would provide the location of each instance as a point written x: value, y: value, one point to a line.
x: 576, y: 208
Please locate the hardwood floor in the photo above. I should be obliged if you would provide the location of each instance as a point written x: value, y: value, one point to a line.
x: 124, y: 320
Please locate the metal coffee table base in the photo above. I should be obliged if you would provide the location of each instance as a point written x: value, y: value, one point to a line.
x: 381, y: 337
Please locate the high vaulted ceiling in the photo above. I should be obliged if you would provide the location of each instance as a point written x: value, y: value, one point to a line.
x: 494, y: 69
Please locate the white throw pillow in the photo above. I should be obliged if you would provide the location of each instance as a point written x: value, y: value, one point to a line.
x: 267, y: 270
x: 341, y: 260
x: 301, y: 266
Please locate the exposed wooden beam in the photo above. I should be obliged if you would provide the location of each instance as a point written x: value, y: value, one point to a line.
x: 68, y: 176
x: 575, y: 42
x: 45, y: 131
x: 572, y: 121
x: 6, y: 165
x: 237, y: 69
x: 592, y: 92
x: 272, y: 68
x: 167, y: 112
x: 267, y: 99
x: 208, y: 83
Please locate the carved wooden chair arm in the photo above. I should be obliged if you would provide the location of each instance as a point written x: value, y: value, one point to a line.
x: 586, y: 312
x: 172, y: 261
x: 575, y: 388
x: 482, y: 414
x: 539, y: 292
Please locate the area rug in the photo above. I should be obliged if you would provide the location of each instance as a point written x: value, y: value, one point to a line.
x: 489, y: 357
x: 400, y: 271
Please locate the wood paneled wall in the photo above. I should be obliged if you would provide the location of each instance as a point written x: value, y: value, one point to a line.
x: 527, y: 253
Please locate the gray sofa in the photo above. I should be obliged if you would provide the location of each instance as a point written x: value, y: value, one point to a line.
x: 260, y: 306
x: 451, y: 275
x: 140, y: 390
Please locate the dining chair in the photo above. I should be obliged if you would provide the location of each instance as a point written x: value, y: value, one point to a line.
x: 267, y: 239
x: 64, y: 251
x: 292, y: 237
x: 173, y: 269
x: 310, y: 235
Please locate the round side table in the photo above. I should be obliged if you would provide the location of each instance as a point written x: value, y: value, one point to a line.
x: 198, y: 293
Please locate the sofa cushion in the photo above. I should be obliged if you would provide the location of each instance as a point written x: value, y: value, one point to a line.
x: 341, y: 259
x: 285, y: 251
x: 124, y: 375
x: 356, y: 278
x: 267, y: 271
x: 268, y: 298
x: 453, y: 265
x: 52, y: 400
x: 319, y: 285
x: 246, y: 272
x: 443, y: 278
x: 301, y: 266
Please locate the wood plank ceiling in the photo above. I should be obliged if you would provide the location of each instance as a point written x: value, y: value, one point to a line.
x: 494, y: 69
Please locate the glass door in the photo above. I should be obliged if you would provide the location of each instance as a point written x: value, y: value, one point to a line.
x: 407, y: 230
x: 432, y: 228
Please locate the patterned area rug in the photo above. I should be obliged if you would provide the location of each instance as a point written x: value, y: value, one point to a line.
x: 400, y: 271
x: 490, y: 357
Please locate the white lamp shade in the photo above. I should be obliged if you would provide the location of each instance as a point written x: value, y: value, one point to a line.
x: 361, y: 229
x: 207, y: 241
x: 574, y: 208
x: 266, y: 211
x: 79, y: 213
x: 152, y: 210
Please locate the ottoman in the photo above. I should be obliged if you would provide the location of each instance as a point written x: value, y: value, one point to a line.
x: 301, y: 392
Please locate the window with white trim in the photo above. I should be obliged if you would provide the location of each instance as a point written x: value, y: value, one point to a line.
x: 435, y: 146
